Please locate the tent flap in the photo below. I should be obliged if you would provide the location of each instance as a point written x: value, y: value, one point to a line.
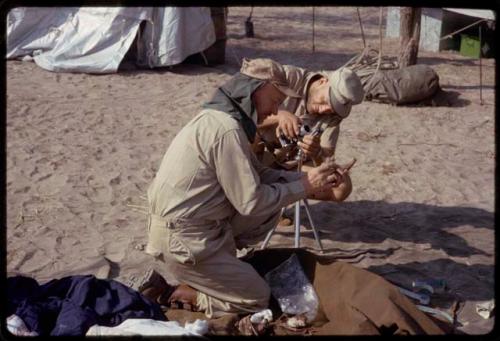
x: 96, y: 39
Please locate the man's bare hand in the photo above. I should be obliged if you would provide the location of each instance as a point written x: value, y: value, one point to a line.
x: 342, y: 172
x: 288, y: 124
x: 310, y: 145
x: 321, y: 178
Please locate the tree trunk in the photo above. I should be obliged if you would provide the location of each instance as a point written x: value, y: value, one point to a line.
x: 409, y: 30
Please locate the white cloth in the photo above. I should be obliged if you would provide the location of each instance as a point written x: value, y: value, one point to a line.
x: 150, y: 327
x: 16, y: 326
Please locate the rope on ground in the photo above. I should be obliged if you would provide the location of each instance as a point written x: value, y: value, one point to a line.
x: 365, y: 64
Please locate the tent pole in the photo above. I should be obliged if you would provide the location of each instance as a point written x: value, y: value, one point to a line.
x: 313, y: 47
x: 380, y: 38
x: 361, y: 26
x: 480, y: 68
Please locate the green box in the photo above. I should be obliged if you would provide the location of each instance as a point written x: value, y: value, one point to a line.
x: 469, y: 46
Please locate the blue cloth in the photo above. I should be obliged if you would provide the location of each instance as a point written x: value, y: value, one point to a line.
x: 71, y: 305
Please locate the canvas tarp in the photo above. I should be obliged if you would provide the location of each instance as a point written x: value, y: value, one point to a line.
x: 96, y: 39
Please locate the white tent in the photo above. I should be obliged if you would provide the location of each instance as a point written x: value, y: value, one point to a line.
x: 96, y: 39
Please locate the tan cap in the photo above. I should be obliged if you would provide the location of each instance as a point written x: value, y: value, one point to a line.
x: 269, y: 70
x: 346, y: 90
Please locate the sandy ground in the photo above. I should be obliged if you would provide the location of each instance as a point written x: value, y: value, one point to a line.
x: 82, y: 149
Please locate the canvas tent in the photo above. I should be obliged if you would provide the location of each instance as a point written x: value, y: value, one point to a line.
x: 96, y: 39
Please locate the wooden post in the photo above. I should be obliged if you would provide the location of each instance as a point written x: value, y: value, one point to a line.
x: 409, y: 35
x: 480, y: 68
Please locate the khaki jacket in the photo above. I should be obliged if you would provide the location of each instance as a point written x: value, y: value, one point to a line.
x: 207, y: 175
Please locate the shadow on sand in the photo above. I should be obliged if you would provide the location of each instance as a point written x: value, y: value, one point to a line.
x: 372, y: 222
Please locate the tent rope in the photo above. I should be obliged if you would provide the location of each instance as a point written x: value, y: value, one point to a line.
x: 369, y: 61
x: 450, y: 35
x: 361, y: 27
x: 366, y: 63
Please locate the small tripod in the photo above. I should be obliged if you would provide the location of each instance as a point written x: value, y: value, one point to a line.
x: 297, y: 216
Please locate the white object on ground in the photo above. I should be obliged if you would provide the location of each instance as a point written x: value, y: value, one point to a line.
x: 16, y: 326
x: 141, y: 327
x: 422, y: 298
x: 27, y: 58
x: 434, y: 311
x: 198, y: 327
x: 264, y: 315
x: 485, y: 309
x: 296, y: 322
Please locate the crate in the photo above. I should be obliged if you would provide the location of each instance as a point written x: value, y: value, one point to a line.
x: 469, y: 46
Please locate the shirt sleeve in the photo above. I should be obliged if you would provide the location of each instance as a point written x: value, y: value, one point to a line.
x: 240, y: 179
x: 296, y: 78
x: 270, y: 175
x: 330, y: 135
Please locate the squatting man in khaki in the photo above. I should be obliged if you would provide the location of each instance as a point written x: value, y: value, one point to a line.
x: 211, y: 196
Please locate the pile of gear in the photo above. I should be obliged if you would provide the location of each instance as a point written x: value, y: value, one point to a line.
x: 385, y: 82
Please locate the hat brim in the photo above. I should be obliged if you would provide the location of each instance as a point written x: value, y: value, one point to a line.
x: 286, y: 91
x: 339, y: 107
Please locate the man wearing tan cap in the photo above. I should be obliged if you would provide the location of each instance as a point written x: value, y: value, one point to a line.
x: 211, y: 196
x: 326, y: 99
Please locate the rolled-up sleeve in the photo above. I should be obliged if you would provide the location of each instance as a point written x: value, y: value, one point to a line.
x: 296, y: 78
x: 330, y: 135
x: 240, y: 179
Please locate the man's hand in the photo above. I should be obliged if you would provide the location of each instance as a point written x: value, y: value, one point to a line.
x: 342, y: 172
x: 321, y: 178
x: 288, y: 124
x: 310, y: 145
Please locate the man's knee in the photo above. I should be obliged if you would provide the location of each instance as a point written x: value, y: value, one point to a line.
x: 344, y: 190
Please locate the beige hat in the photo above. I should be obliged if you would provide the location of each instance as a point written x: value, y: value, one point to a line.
x: 267, y: 69
x: 345, y: 90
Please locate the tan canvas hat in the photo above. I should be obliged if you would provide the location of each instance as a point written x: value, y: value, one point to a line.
x: 346, y: 90
x: 267, y: 69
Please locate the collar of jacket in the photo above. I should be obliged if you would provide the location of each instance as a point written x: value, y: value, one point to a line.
x: 235, y: 99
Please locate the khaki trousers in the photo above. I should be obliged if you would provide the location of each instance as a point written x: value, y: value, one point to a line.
x: 224, y: 283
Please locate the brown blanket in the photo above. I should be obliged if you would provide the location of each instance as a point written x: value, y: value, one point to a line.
x: 353, y: 301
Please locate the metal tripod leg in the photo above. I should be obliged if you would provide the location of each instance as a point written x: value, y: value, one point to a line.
x: 297, y: 224
x: 316, y: 235
x: 270, y: 233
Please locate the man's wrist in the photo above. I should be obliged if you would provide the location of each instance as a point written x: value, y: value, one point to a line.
x: 318, y: 159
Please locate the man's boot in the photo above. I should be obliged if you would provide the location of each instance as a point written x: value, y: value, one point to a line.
x: 183, y: 297
x: 153, y: 286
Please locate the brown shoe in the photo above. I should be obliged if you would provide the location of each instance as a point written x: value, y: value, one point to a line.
x: 152, y: 285
x: 285, y: 221
x: 183, y: 297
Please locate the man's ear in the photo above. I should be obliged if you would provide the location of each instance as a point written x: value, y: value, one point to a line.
x: 323, y: 80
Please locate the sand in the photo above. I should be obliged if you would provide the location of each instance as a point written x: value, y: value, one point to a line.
x: 82, y: 149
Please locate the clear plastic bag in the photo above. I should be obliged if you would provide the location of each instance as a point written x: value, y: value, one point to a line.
x: 291, y: 288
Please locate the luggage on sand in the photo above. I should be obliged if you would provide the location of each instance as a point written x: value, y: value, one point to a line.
x: 408, y: 85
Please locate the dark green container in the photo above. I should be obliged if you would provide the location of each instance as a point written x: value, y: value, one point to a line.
x: 469, y: 46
